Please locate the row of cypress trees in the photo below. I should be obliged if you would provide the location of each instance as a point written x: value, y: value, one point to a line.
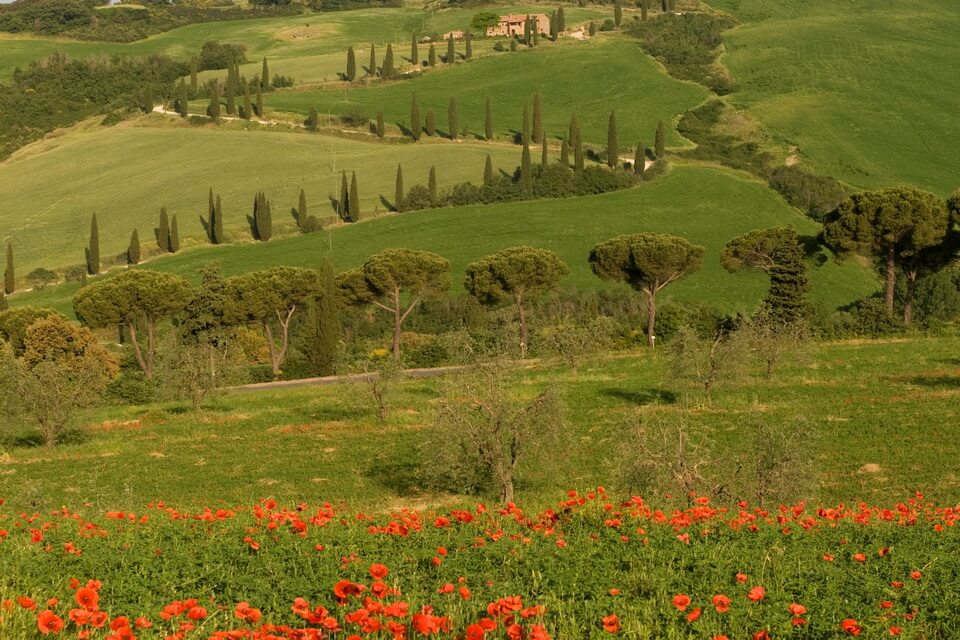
x: 389, y: 69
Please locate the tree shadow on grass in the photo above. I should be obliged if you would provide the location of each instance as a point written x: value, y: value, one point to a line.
x: 954, y: 362
x: 398, y: 471
x: 641, y: 398
x: 937, y: 381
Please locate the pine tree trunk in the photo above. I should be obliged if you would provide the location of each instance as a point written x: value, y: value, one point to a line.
x: 891, y: 278
x: 524, y: 331
x: 651, y: 316
x: 397, y: 324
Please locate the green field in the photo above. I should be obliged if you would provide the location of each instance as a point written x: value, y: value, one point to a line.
x: 279, y: 38
x: 866, y: 90
x: 706, y: 205
x: 571, y: 77
x: 125, y: 174
x: 887, y: 403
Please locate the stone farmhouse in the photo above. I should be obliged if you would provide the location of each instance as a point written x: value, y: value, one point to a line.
x: 456, y: 35
x: 512, y: 25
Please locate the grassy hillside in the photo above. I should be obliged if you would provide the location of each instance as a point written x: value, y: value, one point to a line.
x: 885, y: 404
x: 571, y: 76
x: 125, y: 174
x: 279, y: 38
x: 709, y: 206
x: 867, y: 90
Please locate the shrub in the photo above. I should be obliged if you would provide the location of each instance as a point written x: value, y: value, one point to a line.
x: 215, y: 55
x: 608, y: 25
x: 280, y: 82
x: 355, y: 119
x: 130, y: 387
x: 41, y: 277
x: 813, y: 194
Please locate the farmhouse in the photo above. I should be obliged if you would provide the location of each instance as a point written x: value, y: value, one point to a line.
x: 456, y: 35
x: 512, y: 25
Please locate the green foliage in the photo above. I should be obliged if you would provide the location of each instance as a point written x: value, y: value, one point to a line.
x: 398, y: 204
x: 133, y: 251
x: 778, y: 253
x: 15, y: 321
x: 660, y: 141
x: 415, y: 128
x: 351, y: 73
x: 688, y: 45
x: 388, y: 71
x: 174, y: 235
x: 482, y: 21
x: 430, y: 124
x: 613, y: 148
x: 453, y: 118
x: 217, y: 55
x: 9, y: 275
x: 353, y: 210
x: 262, y: 226
x: 163, y: 231
x: 319, y: 334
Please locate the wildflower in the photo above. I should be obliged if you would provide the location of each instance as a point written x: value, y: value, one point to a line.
x: 27, y: 603
x: 721, y: 603
x: 197, y: 613
x: 681, y: 601
x: 87, y: 598
x: 916, y: 575
x: 851, y: 626
x: 757, y: 594
x: 49, y: 622
x: 742, y: 577
x: 694, y: 615
x: 611, y: 623
x: 379, y: 571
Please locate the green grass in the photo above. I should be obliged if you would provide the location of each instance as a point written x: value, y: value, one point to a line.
x: 888, y: 403
x: 279, y: 38
x: 707, y: 205
x: 867, y: 92
x: 571, y: 77
x: 125, y: 174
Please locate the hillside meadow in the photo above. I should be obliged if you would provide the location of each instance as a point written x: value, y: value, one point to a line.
x: 707, y: 205
x: 281, y: 38
x: 865, y: 90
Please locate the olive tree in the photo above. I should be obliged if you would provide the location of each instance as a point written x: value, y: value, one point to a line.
x: 63, y: 370
x: 14, y: 323
x: 272, y: 295
x: 648, y: 262
x: 134, y: 297
x: 778, y: 253
x: 891, y: 226
x: 395, y: 281
x: 516, y: 274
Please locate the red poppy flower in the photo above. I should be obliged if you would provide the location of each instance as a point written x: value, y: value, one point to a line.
x: 742, y: 577
x: 379, y: 571
x: 49, y: 622
x: 87, y: 598
x: 197, y: 613
x: 851, y: 626
x: 681, y: 601
x: 694, y: 615
x: 895, y: 631
x: 721, y: 603
x: 797, y: 609
x: 916, y: 575
x: 27, y: 603
x: 757, y: 594
x: 611, y: 623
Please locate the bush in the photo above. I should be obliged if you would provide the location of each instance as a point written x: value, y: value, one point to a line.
x: 608, y: 25
x: 280, y: 82
x: 41, y: 277
x: 355, y: 119
x: 131, y: 387
x: 814, y: 195
x: 214, y: 55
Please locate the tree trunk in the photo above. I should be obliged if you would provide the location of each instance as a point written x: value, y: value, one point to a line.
x: 524, y: 331
x: 397, y: 324
x: 273, y: 349
x: 651, y: 316
x: 150, y: 349
x: 132, y: 328
x: 891, y: 278
x: 908, y: 300
x: 506, y: 489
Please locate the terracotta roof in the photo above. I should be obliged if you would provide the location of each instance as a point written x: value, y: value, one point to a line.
x: 521, y: 17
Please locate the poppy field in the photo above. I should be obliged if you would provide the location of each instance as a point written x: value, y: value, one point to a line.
x: 592, y: 566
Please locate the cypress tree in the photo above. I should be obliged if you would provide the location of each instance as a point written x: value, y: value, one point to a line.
x: 265, y: 75
x: 147, y: 99
x: 381, y: 127
x: 592, y: 29
x: 526, y: 32
x: 133, y: 250
x: 194, y: 86
x: 387, y: 71
x: 663, y: 5
x: 432, y: 56
x: 231, y: 91
x: 312, y: 119
x: 468, y: 47
x: 453, y: 118
x: 214, y: 109
x: 554, y: 30
x: 660, y: 142
x: 525, y: 126
x: 488, y: 172
x: 372, y: 67
x: 565, y: 153
x: 323, y: 325
x: 414, y: 118
x: 211, y: 215
x: 573, y: 131
x: 351, y: 73
x: 613, y: 149
x: 354, y: 199
x: 451, y: 51
x: 431, y: 123
x: 561, y: 20
x: 343, y: 208
x: 640, y: 160
x: 488, y: 120
x: 246, y: 103
x: 526, y: 171
x: 398, y: 191
x: 302, y: 209
x: 432, y: 185
x: 218, y: 222
x: 537, y: 118
x: 174, y: 235
x: 183, y: 100
x: 265, y: 223
x: 513, y: 43
x: 9, y: 277
x: 543, y: 153
x: 644, y: 8
x: 536, y: 32
x: 259, y: 102
x: 93, y: 249
x: 578, y: 154
x: 617, y: 13
x: 163, y: 231
x: 414, y: 51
